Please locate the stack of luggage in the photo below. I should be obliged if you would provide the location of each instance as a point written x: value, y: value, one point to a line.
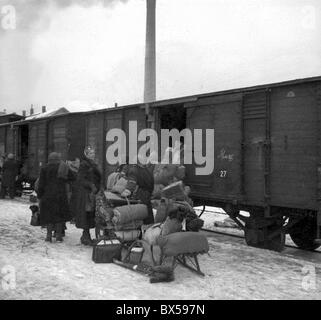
x: 170, y: 193
x: 125, y: 220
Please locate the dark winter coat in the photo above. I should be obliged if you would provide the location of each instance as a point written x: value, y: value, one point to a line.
x: 9, y: 173
x: 82, y: 201
x: 141, y: 184
x: 54, y: 207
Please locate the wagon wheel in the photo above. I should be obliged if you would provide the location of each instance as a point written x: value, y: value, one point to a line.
x: 304, y: 232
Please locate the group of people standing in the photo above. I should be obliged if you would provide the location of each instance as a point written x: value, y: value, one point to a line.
x: 56, y: 207
x: 56, y: 181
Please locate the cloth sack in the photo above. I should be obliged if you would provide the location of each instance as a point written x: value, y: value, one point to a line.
x: 164, y: 173
x: 103, y: 209
x: 152, y: 233
x: 183, y: 242
x: 112, y: 180
x: 120, y: 185
x: 174, y: 191
x: 171, y: 226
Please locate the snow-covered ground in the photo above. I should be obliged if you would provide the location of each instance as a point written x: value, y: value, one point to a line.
x: 66, y: 271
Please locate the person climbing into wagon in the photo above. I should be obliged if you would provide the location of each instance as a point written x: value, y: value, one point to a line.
x: 84, y: 190
x: 51, y: 191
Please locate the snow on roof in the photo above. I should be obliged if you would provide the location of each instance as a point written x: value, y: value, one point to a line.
x: 49, y: 113
x: 81, y: 106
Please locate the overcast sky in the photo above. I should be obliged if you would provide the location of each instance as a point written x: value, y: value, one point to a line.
x: 91, y: 53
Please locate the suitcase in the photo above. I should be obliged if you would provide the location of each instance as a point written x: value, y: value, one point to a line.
x: 107, y: 250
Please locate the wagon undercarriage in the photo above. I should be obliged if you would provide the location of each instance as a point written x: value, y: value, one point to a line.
x: 269, y: 231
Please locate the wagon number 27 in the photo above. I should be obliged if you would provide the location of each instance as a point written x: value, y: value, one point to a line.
x: 223, y: 174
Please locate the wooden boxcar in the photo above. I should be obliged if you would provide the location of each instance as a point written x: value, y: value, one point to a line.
x: 7, y: 133
x: 267, y: 154
x: 33, y: 140
x: 100, y: 122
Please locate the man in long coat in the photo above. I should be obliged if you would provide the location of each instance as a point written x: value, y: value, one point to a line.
x: 9, y: 175
x: 54, y: 207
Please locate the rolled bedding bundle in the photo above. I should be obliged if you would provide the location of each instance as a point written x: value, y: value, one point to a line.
x: 133, y: 225
x: 128, y: 235
x: 129, y: 213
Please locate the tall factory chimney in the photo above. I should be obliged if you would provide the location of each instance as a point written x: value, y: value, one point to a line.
x: 150, y: 54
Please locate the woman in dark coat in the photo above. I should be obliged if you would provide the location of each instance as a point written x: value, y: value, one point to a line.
x: 9, y: 175
x: 83, y: 195
x: 54, y: 208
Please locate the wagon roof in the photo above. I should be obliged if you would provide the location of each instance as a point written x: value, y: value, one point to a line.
x: 41, y: 117
x: 184, y: 99
x: 13, y: 114
x: 47, y: 114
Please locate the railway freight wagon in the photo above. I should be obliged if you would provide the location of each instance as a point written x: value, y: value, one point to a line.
x: 7, y: 133
x: 267, y: 154
x: 100, y: 122
x: 33, y: 140
x: 267, y: 160
x: 64, y: 134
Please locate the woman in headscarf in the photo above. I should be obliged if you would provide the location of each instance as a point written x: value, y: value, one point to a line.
x: 54, y: 208
x: 84, y: 190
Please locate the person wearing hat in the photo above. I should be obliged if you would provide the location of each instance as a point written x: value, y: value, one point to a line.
x: 9, y: 176
x: 83, y: 196
x: 51, y: 191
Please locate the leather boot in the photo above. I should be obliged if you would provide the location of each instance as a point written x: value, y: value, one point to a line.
x: 86, y: 238
x: 59, y: 228
x: 50, y: 228
x: 63, y: 231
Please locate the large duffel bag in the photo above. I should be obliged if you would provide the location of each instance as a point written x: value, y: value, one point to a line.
x: 107, y: 250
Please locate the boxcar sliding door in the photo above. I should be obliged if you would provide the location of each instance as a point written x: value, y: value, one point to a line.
x: 221, y: 113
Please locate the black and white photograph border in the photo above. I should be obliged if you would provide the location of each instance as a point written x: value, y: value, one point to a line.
x: 165, y: 150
